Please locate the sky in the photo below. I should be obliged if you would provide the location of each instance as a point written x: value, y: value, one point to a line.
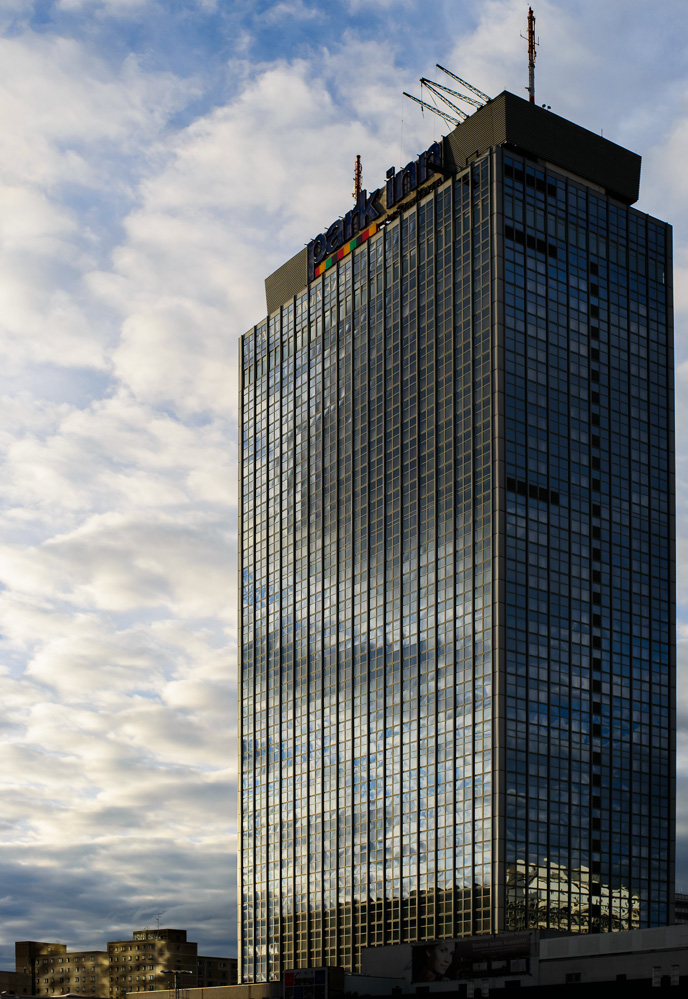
x: 157, y: 161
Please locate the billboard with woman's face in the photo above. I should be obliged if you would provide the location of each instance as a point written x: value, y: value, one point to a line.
x: 486, y: 957
x: 434, y: 962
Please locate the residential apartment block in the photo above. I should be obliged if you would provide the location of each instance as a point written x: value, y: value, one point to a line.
x: 138, y: 964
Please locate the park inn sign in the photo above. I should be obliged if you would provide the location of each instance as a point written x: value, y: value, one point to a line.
x: 360, y: 223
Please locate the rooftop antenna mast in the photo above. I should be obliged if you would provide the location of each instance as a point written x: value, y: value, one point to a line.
x: 456, y: 114
x: 358, y: 175
x: 469, y: 86
x: 531, y: 55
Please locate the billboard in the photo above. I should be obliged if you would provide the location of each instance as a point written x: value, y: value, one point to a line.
x: 470, y: 958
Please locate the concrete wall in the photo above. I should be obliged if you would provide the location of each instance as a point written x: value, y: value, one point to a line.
x: 267, y: 990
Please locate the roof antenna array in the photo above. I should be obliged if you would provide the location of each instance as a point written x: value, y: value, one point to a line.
x: 531, y: 55
x: 455, y: 115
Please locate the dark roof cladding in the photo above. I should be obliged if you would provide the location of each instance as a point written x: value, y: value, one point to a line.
x: 540, y: 133
x: 533, y: 131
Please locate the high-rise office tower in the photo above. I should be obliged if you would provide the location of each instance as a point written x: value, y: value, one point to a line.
x: 457, y: 524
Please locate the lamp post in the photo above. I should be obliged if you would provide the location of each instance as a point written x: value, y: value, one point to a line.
x: 176, y: 972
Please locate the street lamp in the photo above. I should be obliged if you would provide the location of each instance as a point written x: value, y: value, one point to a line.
x: 176, y: 972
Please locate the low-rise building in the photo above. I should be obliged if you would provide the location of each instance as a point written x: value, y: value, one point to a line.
x: 143, y: 963
x: 655, y: 957
x: 681, y: 907
x: 54, y: 971
x: 15, y: 983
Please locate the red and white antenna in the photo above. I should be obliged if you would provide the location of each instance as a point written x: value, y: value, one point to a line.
x: 531, y: 55
x: 358, y: 176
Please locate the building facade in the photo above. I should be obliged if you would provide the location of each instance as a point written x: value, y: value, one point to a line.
x: 15, y: 983
x: 457, y: 533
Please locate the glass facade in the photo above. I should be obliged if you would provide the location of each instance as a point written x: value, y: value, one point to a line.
x: 457, y: 564
x: 589, y: 649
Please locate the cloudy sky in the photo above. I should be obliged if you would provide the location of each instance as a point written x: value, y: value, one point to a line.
x: 157, y: 160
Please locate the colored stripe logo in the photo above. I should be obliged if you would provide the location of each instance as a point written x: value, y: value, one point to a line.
x: 345, y: 250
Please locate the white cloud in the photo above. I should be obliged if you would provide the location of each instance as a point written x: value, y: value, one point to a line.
x: 114, y: 515
x: 67, y: 118
x: 361, y: 5
x: 116, y: 8
x: 68, y: 125
x: 293, y: 10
